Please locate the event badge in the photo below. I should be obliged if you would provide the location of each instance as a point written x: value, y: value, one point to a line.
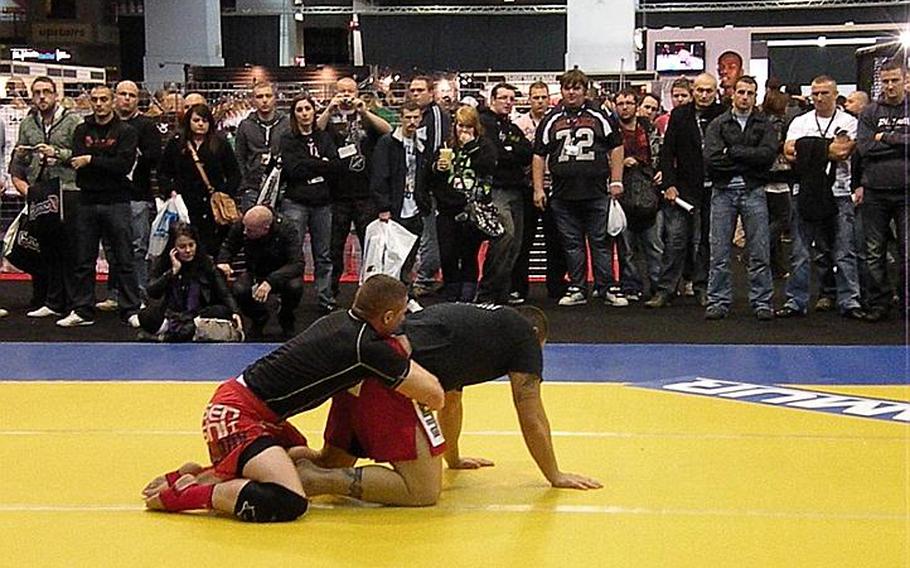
x: 347, y: 151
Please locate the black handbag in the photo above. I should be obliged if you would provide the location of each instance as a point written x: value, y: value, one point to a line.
x: 640, y: 199
x: 21, y: 248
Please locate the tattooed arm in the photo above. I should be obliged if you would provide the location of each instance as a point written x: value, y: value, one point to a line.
x: 535, y: 428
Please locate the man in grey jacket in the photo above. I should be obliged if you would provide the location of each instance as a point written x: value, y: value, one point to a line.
x: 256, y: 142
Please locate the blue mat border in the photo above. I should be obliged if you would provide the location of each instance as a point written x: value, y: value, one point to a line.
x: 595, y: 363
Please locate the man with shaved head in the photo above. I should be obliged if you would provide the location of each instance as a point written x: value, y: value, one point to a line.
x: 257, y: 141
x: 683, y: 177
x: 142, y: 201
x: 193, y: 99
x: 104, y: 155
x: 355, y: 130
x: 274, y: 265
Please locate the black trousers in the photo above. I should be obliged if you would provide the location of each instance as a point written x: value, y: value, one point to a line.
x: 289, y: 296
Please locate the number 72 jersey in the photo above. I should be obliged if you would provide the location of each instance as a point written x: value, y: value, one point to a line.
x: 577, y: 142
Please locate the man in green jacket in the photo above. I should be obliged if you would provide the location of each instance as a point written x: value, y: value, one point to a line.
x: 42, y: 153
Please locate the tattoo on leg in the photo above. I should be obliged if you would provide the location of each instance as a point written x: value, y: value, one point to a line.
x: 355, y: 489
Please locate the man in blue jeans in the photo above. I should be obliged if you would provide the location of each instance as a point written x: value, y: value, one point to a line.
x: 882, y: 141
x: 740, y: 146
x: 835, y: 233
x: 584, y: 153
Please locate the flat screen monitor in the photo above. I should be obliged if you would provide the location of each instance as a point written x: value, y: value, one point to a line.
x: 679, y: 56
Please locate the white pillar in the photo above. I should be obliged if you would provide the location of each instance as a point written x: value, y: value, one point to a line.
x: 178, y: 33
x: 600, y: 35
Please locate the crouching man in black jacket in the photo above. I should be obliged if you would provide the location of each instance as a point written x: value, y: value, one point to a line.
x: 274, y: 264
x: 740, y: 146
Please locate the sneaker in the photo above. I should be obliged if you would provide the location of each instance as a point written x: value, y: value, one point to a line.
x: 660, y: 300
x: 74, y: 320
x: 515, y: 299
x: 634, y: 296
x: 109, y: 305
x: 615, y: 299
x: 764, y: 314
x: 714, y: 313
x: 824, y: 304
x: 414, y: 306
x: 133, y: 321
x: 3, y: 313
x: 43, y: 312
x: 688, y: 289
x: 573, y: 297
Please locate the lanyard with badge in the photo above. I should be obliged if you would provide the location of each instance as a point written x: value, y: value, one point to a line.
x: 827, y: 128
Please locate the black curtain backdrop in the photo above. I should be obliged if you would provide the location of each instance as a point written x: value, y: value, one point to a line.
x: 470, y: 43
x: 802, y: 64
x: 249, y: 40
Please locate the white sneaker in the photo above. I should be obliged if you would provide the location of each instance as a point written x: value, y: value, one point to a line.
x: 414, y: 306
x: 3, y: 313
x: 109, y: 305
x: 615, y: 299
x: 573, y: 298
x: 42, y: 312
x: 74, y: 320
x: 133, y: 321
x: 515, y: 299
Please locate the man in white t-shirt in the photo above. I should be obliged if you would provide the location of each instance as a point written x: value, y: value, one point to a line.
x: 833, y: 235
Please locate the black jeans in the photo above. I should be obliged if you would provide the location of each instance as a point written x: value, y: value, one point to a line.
x: 503, y: 251
x: 459, y: 242
x: 110, y: 221
x: 361, y: 212
x: 878, y: 210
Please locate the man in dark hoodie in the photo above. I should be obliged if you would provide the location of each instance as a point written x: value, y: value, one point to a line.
x: 882, y: 140
x: 257, y: 140
x: 104, y: 154
x: 511, y: 189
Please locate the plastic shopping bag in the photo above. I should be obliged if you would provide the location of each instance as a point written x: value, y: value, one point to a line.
x: 174, y: 209
x: 385, y: 249
x: 616, y: 218
x: 271, y: 184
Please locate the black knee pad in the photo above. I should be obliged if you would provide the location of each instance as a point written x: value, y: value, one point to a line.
x: 269, y: 503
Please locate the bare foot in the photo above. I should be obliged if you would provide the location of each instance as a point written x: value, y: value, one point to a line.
x: 159, y: 484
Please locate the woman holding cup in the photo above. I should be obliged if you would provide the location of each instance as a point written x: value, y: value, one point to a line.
x: 462, y: 172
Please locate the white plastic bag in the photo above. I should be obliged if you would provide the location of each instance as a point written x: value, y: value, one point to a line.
x: 269, y: 189
x: 616, y: 218
x: 174, y: 209
x: 385, y: 249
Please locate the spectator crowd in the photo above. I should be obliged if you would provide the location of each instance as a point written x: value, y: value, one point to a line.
x: 720, y: 172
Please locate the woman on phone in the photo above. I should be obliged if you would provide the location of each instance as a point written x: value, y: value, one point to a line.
x: 460, y: 174
x: 185, y: 284
x: 178, y: 172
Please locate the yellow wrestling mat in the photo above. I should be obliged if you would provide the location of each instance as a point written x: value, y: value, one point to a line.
x: 689, y: 481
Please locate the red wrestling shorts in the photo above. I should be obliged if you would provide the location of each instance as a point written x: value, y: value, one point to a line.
x: 234, y: 420
x: 380, y: 424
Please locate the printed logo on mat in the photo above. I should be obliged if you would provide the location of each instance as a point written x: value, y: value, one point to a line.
x: 863, y: 407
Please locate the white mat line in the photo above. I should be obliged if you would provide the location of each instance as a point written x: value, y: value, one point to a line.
x: 484, y: 433
x: 617, y: 510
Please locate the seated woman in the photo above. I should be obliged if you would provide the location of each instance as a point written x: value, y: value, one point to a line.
x: 458, y: 179
x: 184, y: 284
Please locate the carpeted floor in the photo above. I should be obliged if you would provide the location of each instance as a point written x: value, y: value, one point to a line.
x: 592, y: 323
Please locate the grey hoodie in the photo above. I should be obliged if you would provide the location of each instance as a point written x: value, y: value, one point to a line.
x: 884, y: 163
x: 250, y: 146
